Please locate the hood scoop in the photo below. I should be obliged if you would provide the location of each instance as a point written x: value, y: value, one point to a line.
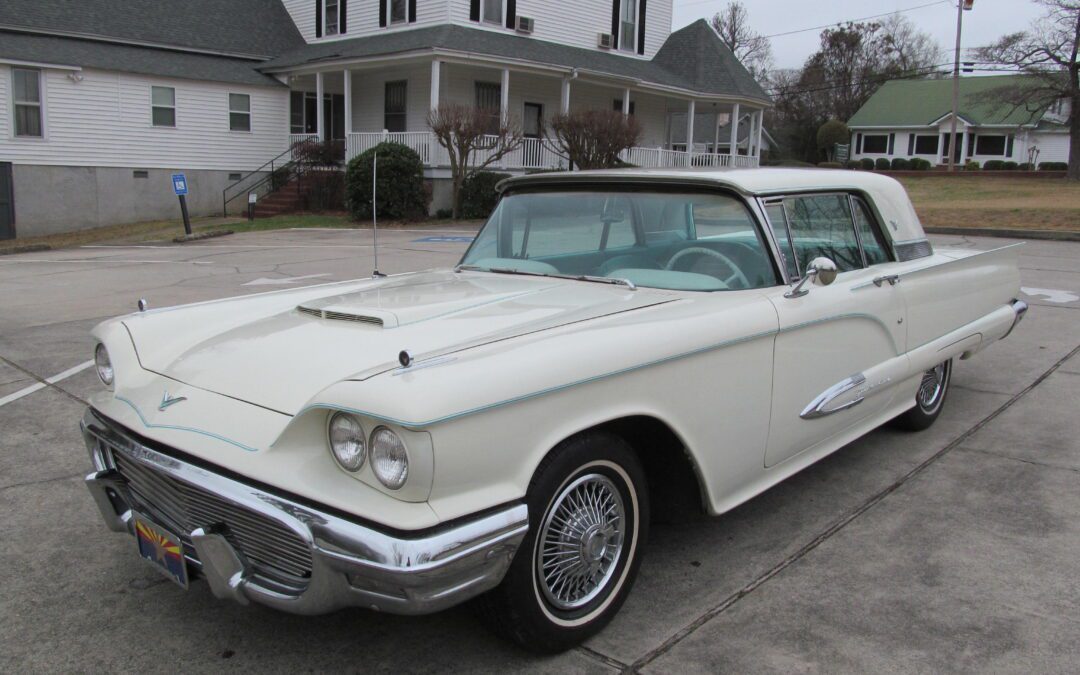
x: 370, y: 318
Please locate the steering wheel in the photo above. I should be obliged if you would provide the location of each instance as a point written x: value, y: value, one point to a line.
x: 736, y: 273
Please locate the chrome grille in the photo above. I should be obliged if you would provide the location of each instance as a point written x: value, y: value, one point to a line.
x: 341, y: 316
x: 274, y: 551
x: 910, y: 250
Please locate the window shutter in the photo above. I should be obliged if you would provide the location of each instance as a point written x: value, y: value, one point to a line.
x: 412, y: 11
x: 382, y: 13
x: 892, y: 139
x: 641, y: 27
x: 474, y: 10
x: 615, y: 24
x: 858, y: 143
x: 342, y: 13
x: 511, y: 13
x: 318, y: 18
x: 1009, y: 146
x: 911, y: 145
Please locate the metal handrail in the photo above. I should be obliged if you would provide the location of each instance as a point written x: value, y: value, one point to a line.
x: 225, y: 198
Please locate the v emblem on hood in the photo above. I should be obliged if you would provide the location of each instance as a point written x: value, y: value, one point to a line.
x: 167, y: 400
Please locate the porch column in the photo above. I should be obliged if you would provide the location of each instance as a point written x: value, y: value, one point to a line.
x: 963, y: 146
x: 564, y: 104
x: 436, y: 72
x: 716, y: 134
x: 734, y: 149
x: 690, y: 113
x: 348, y: 105
x: 626, y: 102
x: 760, y: 124
x: 319, y: 106
x: 504, y: 103
x: 751, y: 135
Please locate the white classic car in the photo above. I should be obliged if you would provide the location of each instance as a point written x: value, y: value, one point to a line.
x: 612, y: 342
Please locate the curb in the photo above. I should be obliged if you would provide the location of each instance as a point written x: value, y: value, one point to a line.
x: 27, y: 248
x: 201, y: 235
x: 1051, y: 235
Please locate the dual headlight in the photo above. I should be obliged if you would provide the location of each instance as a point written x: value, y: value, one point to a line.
x: 103, y: 365
x: 350, y: 445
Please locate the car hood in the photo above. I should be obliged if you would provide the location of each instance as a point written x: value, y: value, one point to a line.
x: 278, y: 350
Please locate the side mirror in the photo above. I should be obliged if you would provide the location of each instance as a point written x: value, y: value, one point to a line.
x: 820, y: 270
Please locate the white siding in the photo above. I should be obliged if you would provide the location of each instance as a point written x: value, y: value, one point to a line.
x: 362, y: 17
x: 303, y: 15
x: 104, y: 120
x: 1052, y: 147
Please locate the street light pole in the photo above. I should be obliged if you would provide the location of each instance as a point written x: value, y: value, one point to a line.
x: 961, y: 5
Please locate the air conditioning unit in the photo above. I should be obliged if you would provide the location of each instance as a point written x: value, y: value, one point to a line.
x: 605, y: 40
x: 524, y: 24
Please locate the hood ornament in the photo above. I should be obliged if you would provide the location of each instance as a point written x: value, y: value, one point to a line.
x: 167, y: 400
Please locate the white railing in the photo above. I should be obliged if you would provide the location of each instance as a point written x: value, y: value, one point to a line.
x: 535, y: 153
x: 300, y: 138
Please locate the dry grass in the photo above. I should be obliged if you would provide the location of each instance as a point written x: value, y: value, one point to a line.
x: 981, y: 201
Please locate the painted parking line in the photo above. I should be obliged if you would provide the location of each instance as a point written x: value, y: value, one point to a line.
x: 41, y: 385
x: 445, y: 240
x: 109, y: 260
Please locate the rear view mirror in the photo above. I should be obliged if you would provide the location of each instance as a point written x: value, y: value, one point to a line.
x: 820, y: 270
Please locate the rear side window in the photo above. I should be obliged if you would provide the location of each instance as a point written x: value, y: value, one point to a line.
x: 822, y: 225
x: 872, y: 242
x: 778, y: 220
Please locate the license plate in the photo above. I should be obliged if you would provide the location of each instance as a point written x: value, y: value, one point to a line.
x: 162, y: 549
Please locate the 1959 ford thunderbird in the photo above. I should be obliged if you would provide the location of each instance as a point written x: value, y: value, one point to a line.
x: 612, y: 342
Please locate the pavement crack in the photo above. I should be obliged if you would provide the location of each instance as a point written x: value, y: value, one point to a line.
x: 844, y: 521
x: 1025, y: 460
x: 603, y: 659
x: 40, y: 481
x: 42, y: 380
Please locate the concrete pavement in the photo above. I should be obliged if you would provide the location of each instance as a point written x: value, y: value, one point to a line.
x: 955, y: 549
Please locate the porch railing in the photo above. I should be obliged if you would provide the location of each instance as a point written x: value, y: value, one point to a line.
x: 539, y: 153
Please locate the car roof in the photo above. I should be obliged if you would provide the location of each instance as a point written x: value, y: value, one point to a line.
x: 886, y: 194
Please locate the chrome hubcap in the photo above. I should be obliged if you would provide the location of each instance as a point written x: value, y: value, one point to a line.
x: 932, y: 387
x: 580, y: 541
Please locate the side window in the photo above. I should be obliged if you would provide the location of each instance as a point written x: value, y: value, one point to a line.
x: 872, y: 243
x: 779, y: 222
x: 821, y: 225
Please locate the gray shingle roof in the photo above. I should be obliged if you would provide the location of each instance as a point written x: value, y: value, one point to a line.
x: 250, y: 27
x: 693, y: 58
x: 124, y: 58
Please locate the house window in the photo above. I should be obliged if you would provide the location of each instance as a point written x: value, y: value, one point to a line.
x: 330, y: 17
x: 399, y: 11
x: 489, y: 99
x: 492, y: 11
x: 394, y: 106
x: 875, y: 144
x: 628, y: 25
x: 163, y: 106
x: 239, y: 112
x: 990, y: 145
x: 926, y: 145
x: 27, y: 88
x: 616, y: 105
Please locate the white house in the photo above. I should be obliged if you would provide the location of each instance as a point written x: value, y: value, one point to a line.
x: 98, y: 106
x: 913, y: 119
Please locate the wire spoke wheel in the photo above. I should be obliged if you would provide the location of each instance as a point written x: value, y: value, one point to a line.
x: 581, y: 541
x: 932, y: 387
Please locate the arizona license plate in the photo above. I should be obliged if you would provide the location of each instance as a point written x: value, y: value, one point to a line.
x: 162, y: 549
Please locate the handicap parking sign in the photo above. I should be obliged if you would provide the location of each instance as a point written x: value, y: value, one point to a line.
x: 179, y: 183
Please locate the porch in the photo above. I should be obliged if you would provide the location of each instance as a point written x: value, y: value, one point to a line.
x: 362, y: 104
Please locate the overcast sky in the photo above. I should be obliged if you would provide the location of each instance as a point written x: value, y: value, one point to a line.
x: 989, y: 20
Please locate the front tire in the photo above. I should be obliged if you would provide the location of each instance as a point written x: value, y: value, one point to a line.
x: 588, y: 521
x: 929, y: 399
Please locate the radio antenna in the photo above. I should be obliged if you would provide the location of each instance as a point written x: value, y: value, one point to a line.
x: 374, y: 215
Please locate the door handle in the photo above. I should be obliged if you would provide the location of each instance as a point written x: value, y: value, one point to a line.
x: 893, y: 279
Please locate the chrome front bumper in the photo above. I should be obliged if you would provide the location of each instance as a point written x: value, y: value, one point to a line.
x: 350, y: 564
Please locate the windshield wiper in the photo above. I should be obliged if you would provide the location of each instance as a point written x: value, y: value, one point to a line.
x: 630, y: 285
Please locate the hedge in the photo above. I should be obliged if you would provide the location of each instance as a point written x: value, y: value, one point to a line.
x: 900, y: 164
x: 867, y: 164
x: 830, y: 165
x: 1054, y: 166
x: 478, y: 196
x: 882, y: 164
x: 993, y: 165
x: 920, y: 164
x: 402, y: 194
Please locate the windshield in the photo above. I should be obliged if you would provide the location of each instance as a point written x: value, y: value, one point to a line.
x: 681, y: 241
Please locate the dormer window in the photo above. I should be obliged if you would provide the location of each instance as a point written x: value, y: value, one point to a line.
x: 399, y: 11
x: 330, y: 19
x: 492, y: 11
x: 628, y: 21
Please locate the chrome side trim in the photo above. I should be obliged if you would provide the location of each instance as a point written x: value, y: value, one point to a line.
x: 352, y: 564
x: 819, y: 406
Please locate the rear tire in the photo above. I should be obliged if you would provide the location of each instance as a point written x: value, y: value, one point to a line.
x: 588, y: 521
x: 929, y: 399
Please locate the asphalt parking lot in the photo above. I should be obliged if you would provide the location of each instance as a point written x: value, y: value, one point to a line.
x: 955, y: 549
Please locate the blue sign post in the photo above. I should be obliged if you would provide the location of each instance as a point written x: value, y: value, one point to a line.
x: 179, y: 183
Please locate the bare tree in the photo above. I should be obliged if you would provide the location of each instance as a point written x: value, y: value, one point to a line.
x: 912, y: 52
x: 474, y: 139
x: 593, y: 139
x: 1048, y: 52
x: 732, y: 24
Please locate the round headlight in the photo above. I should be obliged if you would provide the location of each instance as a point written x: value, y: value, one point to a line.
x: 347, y: 441
x: 389, y: 460
x: 103, y: 364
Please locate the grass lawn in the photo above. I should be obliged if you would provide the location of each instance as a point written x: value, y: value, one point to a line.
x: 165, y: 230
x: 980, y: 201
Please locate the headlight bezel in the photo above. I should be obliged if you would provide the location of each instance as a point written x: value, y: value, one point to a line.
x: 103, y: 365
x: 360, y: 458
x: 392, y: 480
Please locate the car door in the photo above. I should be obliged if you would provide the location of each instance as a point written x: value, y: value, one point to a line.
x: 835, y: 340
